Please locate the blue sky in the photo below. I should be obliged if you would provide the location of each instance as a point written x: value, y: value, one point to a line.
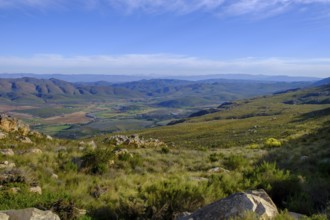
x: 166, y: 37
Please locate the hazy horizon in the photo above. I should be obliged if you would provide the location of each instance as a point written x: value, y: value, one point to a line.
x: 175, y: 37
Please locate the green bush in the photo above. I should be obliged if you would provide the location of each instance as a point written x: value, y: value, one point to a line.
x: 96, y: 162
x: 214, y: 157
x: 236, y: 162
x: 165, y: 198
x: 165, y: 150
x: 272, y: 142
x: 253, y: 146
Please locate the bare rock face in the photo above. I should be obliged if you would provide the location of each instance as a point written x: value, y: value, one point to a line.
x: 235, y: 205
x: 29, y: 214
x: 10, y: 124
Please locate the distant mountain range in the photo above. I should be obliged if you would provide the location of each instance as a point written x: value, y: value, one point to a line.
x: 163, y: 92
x: 131, y: 78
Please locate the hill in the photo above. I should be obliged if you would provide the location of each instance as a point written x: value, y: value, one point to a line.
x: 29, y: 90
x: 87, y: 78
x: 158, y: 173
x: 325, y: 81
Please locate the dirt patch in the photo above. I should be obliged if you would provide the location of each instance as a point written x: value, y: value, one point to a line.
x: 73, y: 118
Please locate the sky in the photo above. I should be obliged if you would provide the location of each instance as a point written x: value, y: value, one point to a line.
x: 165, y: 37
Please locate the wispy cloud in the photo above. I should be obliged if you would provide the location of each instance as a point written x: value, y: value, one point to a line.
x: 163, y: 64
x: 221, y: 7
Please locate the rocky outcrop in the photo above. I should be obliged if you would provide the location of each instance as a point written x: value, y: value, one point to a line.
x: 236, y: 205
x: 133, y: 141
x: 10, y: 124
x: 28, y: 214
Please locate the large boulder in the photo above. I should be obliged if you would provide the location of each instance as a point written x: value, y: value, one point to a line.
x: 29, y: 214
x: 236, y: 205
x: 4, y: 216
x: 10, y: 124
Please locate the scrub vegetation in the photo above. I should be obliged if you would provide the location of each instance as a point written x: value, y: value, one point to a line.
x: 158, y: 173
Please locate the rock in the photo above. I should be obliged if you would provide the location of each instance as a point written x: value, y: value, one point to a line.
x: 4, y: 216
x: 36, y: 189
x: 7, y: 165
x: 14, y: 190
x: 182, y: 215
x: 111, y: 162
x: 34, y: 151
x: 235, y: 205
x: 133, y: 141
x: 2, y: 135
x: 121, y: 153
x: 36, y: 134
x: 92, y: 145
x: 30, y: 214
x: 218, y: 170
x: 7, y: 152
x: 48, y: 137
x: 10, y: 124
x: 26, y: 140
x: 79, y: 212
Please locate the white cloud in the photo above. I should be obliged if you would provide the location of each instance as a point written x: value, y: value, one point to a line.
x: 222, y: 7
x: 163, y: 64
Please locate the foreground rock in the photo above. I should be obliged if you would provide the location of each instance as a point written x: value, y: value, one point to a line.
x: 28, y: 214
x: 236, y: 205
x: 10, y: 124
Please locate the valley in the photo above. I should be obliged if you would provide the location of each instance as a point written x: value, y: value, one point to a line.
x: 276, y: 142
x: 75, y: 110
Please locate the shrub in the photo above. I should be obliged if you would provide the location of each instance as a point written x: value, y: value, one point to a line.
x: 165, y: 198
x: 214, y: 157
x: 272, y: 142
x: 165, y: 150
x: 253, y: 146
x: 96, y: 162
x: 236, y: 162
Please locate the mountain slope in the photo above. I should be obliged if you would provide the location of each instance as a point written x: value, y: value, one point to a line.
x: 44, y: 90
x: 249, y: 120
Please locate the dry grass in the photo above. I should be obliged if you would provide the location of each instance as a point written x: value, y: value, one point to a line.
x: 73, y: 118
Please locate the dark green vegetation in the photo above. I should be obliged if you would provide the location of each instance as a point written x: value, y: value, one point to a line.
x: 74, y: 110
x: 274, y: 142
